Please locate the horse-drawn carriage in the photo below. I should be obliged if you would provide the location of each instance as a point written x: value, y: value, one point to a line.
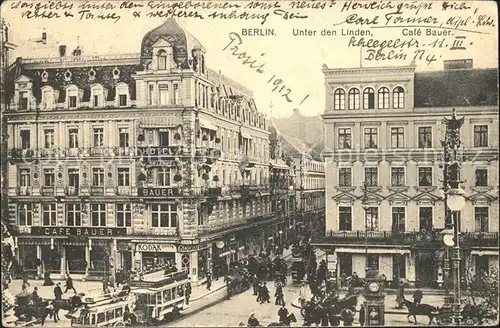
x: 330, y: 308
x: 28, y: 309
x: 239, y: 281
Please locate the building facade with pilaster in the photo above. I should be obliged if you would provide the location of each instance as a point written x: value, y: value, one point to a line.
x: 127, y: 161
x: 384, y: 202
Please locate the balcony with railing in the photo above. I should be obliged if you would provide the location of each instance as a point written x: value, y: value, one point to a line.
x: 96, y: 191
x: 23, y: 191
x: 411, y: 238
x: 17, y: 154
x: 220, y: 226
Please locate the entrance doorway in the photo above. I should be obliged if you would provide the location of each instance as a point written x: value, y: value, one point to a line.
x: 426, y: 268
x: 345, y: 266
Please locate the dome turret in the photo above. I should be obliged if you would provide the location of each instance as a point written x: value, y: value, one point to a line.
x: 187, y: 50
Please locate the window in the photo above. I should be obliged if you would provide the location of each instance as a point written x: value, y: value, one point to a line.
x: 97, y: 176
x: 353, y: 102
x: 398, y: 219
x: 176, y: 93
x: 123, y: 137
x: 25, y: 213
x: 122, y: 100
x: 163, y: 136
x: 398, y: 97
x: 48, y: 177
x: 372, y: 261
x: 425, y: 176
x: 98, y: 135
x: 72, y: 101
x: 480, y: 136
x: 96, y: 101
x: 397, y: 176
x: 370, y: 137
x: 98, y: 214
x: 481, y: 219
x: 345, y: 218
x: 397, y: 137
x: 425, y: 215
x: 164, y: 96
x: 345, y: 138
x: 383, y: 98
x: 164, y: 215
x: 73, y: 178
x: 481, y: 177
x: 371, y: 176
x: 49, y: 214
x: 164, y: 178
x: 162, y: 59
x: 24, y: 178
x: 73, y: 138
x: 369, y: 98
x: 74, y: 215
x: 25, y: 139
x: 345, y: 179
x: 425, y: 137
x: 372, y: 219
x: 123, y: 215
x: 124, y: 177
x: 151, y: 94
x: 47, y: 98
x: 339, y: 99
x: 49, y: 138
x: 23, y: 100
x: 482, y: 265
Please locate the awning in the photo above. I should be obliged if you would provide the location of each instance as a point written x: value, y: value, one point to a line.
x: 163, y: 121
x: 206, y: 124
x: 246, y: 135
x: 372, y: 250
x: 484, y: 253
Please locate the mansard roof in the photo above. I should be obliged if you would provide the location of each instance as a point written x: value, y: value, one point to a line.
x: 461, y: 87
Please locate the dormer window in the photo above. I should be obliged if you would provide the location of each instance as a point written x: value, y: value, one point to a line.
x: 122, y: 95
x: 162, y: 60
x: 97, y: 96
x: 23, y: 100
x: 47, y: 97
x: 72, y: 96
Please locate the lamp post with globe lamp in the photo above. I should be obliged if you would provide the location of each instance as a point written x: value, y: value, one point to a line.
x: 455, y: 200
x: 365, y: 206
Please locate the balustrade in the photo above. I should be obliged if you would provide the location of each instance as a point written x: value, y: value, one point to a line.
x: 47, y: 190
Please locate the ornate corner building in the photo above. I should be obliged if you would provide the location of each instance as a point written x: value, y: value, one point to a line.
x: 126, y: 161
x: 384, y: 201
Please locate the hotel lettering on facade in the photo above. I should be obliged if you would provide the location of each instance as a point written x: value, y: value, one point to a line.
x: 383, y: 128
x: 124, y: 161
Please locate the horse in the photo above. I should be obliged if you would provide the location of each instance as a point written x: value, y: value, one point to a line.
x: 289, y: 319
x: 420, y: 309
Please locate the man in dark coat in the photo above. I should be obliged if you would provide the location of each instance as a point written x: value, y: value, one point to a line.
x: 417, y: 297
x: 279, y: 295
x: 255, y: 284
x: 209, y: 280
x: 252, y: 321
x: 56, y: 307
x: 188, y: 291
x: 283, y: 314
x: 260, y: 292
x: 58, y: 292
x: 267, y: 297
x: 69, y: 285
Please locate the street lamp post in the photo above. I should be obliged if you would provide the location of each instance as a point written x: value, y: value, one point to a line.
x: 365, y: 209
x: 455, y: 200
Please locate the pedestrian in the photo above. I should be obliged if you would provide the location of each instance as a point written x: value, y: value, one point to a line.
x: 279, y: 295
x: 362, y: 316
x: 209, y: 280
x: 25, y: 285
x: 58, y: 292
x: 255, y: 284
x: 401, y: 295
x: 56, y: 306
x: 34, y: 295
x: 47, y: 281
x: 260, y: 292
x: 417, y: 297
x: 283, y: 314
x: 252, y: 321
x: 384, y: 280
x: 267, y: 297
x: 69, y: 285
x: 45, y: 312
x: 347, y: 316
x: 355, y: 279
x: 188, y: 290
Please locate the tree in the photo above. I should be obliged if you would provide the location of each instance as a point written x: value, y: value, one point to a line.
x: 480, y: 299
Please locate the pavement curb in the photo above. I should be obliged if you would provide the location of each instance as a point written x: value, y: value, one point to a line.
x: 209, y: 292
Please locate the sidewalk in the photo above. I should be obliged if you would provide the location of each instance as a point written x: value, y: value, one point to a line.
x: 47, y: 292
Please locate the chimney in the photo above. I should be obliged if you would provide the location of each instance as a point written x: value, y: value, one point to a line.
x: 62, y: 50
x: 44, y: 37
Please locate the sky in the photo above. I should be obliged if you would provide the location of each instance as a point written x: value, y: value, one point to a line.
x: 296, y: 60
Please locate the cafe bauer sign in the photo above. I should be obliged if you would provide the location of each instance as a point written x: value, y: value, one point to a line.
x: 80, y: 231
x: 157, y: 192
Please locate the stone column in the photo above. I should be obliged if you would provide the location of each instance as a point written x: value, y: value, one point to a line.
x: 63, y: 263
x: 194, y: 266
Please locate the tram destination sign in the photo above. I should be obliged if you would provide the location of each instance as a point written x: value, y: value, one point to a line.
x: 78, y: 231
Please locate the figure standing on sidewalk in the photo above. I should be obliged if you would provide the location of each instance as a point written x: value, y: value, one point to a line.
x: 188, y: 290
x: 209, y: 280
x: 255, y: 284
x: 283, y: 314
x: 58, y: 292
x: 25, y: 285
x: 279, y: 294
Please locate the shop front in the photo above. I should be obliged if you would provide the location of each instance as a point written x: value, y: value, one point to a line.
x: 153, y: 255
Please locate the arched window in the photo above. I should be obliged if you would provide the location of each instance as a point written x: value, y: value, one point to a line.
x: 398, y: 97
x: 383, y: 98
x: 339, y: 99
x: 368, y: 98
x: 353, y: 99
x: 162, y: 59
